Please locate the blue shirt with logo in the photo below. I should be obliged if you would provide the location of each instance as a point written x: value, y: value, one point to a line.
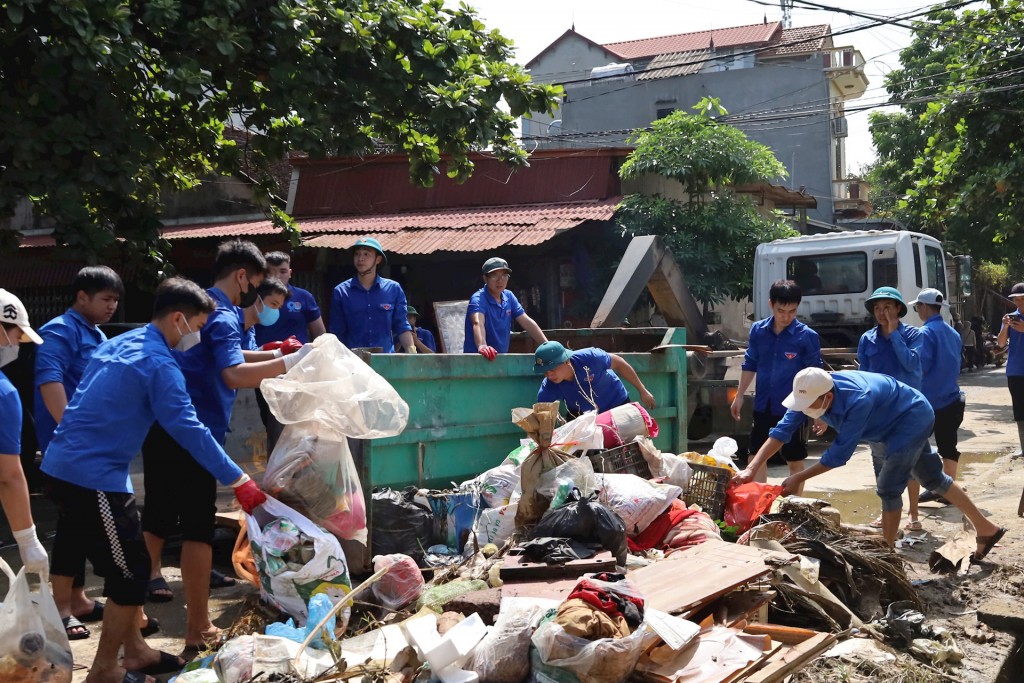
x: 220, y: 347
x: 776, y: 358
x: 595, y: 386
x: 866, y: 406
x: 940, y: 362
x: 498, y: 319
x: 69, y: 341
x: 369, y: 317
x: 132, y: 382
x: 898, y: 356
x: 10, y: 425
x: 427, y: 337
x: 296, y: 315
x: 1015, y: 353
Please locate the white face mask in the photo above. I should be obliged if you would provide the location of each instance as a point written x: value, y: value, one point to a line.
x: 187, y: 341
x: 815, y: 413
x: 9, y: 351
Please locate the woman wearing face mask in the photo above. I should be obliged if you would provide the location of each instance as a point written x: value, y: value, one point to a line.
x: 14, y: 330
x: 271, y: 295
x: 875, y: 408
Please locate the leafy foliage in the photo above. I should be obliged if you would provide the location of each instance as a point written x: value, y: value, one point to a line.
x: 105, y: 102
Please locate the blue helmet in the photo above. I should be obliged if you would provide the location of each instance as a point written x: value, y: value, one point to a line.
x: 370, y: 243
x: 886, y: 293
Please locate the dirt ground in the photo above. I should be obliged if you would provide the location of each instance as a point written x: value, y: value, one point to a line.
x: 992, y: 478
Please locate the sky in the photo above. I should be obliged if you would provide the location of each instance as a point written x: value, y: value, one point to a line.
x: 533, y: 25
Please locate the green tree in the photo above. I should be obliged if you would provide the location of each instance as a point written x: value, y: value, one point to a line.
x: 106, y: 103
x: 714, y: 233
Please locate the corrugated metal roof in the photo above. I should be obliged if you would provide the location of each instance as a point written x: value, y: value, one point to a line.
x: 675, y: 64
x: 242, y: 228
x: 815, y: 35
x: 698, y: 40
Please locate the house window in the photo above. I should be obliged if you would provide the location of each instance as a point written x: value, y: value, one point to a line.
x: 662, y: 113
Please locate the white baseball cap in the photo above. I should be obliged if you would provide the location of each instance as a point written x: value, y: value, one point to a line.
x: 808, y: 385
x: 931, y: 297
x: 12, y: 312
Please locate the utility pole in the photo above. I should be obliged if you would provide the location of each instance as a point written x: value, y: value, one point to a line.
x: 787, y: 13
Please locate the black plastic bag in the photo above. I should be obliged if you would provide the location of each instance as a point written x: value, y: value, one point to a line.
x: 586, y: 520
x: 399, y: 524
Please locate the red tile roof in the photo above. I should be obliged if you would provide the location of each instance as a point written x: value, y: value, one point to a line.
x: 816, y: 37
x: 698, y: 40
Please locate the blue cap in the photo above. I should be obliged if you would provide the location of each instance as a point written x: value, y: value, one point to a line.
x: 548, y: 356
x: 370, y: 243
x: 886, y: 293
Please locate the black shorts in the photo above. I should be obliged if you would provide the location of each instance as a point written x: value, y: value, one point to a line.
x: 180, y: 493
x: 764, y: 422
x: 1016, y: 385
x: 107, y: 528
x: 67, y: 558
x: 947, y: 422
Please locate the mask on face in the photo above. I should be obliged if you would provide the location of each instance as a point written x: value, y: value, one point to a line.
x: 268, y: 316
x: 248, y: 298
x: 8, y: 352
x: 815, y: 413
x: 188, y: 340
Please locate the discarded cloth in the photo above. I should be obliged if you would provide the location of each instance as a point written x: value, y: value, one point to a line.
x: 581, y: 619
x: 601, y: 594
x: 558, y: 550
x: 654, y: 535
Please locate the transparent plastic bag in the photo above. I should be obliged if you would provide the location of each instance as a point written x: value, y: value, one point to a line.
x: 503, y: 656
x: 580, y: 434
x: 33, y: 644
x: 637, y: 501
x: 575, y: 472
x: 671, y: 469
x: 607, y: 660
x: 402, y: 584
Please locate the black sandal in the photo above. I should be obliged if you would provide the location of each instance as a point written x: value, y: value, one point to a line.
x: 75, y: 629
x: 158, y: 584
x: 989, y: 543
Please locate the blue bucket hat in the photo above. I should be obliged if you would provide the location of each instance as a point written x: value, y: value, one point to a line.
x: 886, y: 293
x: 548, y: 356
x: 370, y: 243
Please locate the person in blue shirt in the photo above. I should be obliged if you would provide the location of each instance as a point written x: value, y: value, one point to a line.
x: 271, y: 297
x: 70, y: 339
x: 891, y: 347
x: 492, y: 308
x: 132, y: 381
x: 587, y: 379
x: 779, y: 347
x: 215, y: 366
x: 1011, y: 333
x: 368, y: 310
x: 424, y: 338
x: 867, y: 406
x: 300, y: 317
x: 14, y: 499
x: 940, y: 366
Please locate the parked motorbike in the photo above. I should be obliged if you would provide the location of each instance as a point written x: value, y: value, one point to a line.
x: 993, y: 354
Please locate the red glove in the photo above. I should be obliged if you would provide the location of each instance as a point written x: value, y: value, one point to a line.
x: 289, y: 345
x: 250, y: 496
x: 488, y: 352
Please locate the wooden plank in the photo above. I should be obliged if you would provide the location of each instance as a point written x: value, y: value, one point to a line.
x: 794, y: 659
x: 788, y: 635
x: 517, y: 568
x: 551, y: 589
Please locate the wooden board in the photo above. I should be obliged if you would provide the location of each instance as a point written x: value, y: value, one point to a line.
x: 793, y: 660
x: 550, y: 589
x: 686, y: 580
x: 517, y: 568
x: 450, y: 317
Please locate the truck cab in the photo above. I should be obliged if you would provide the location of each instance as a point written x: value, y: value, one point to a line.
x: 838, y: 272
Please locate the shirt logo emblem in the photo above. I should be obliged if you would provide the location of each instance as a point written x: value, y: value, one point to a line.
x: 294, y: 306
x: 386, y: 307
x: 790, y: 356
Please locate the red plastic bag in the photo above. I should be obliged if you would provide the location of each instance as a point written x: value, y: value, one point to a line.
x: 745, y: 503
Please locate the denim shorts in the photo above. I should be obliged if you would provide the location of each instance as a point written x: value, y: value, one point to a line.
x: 894, y: 469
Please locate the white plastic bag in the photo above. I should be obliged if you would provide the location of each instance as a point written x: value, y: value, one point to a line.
x: 33, y: 644
x: 637, y: 501
x: 607, y: 660
x: 290, y: 590
x: 497, y: 484
x: 503, y: 656
x: 574, y: 473
x: 723, y: 451
x: 579, y: 434
x: 495, y: 525
x: 671, y: 469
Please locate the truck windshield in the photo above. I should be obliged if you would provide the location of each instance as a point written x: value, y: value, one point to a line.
x: 935, y: 268
x: 829, y: 273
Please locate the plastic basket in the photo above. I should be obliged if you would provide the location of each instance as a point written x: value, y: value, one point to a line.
x: 626, y: 459
x: 707, y: 488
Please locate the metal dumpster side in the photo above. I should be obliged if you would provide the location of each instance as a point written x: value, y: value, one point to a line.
x: 460, y: 407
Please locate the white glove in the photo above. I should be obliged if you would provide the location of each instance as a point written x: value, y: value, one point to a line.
x: 33, y: 554
x: 292, y: 358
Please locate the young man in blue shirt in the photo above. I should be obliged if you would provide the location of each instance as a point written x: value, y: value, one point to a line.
x: 215, y: 366
x: 492, y: 308
x: 300, y: 317
x: 14, y: 331
x: 132, y: 382
x: 867, y: 406
x: 424, y: 338
x: 368, y: 310
x: 779, y: 347
x: 70, y: 339
x: 587, y: 379
x: 1011, y: 334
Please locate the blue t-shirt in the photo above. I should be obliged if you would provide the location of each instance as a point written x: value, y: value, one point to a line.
x: 1015, y: 353
x: 776, y: 358
x: 132, y: 382
x: 296, y: 315
x: 220, y: 347
x: 369, y: 317
x: 867, y: 406
x: 898, y: 356
x: 940, y: 362
x: 10, y: 424
x: 427, y: 338
x: 595, y: 383
x: 498, y: 319
x: 69, y: 341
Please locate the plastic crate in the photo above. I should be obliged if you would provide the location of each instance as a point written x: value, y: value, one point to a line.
x: 626, y: 459
x: 707, y: 489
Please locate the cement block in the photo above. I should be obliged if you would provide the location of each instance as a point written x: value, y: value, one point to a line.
x: 998, y: 613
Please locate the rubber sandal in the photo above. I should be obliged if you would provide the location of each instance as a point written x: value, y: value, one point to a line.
x: 876, y: 523
x: 75, y: 629
x: 190, y: 652
x: 913, y: 525
x: 134, y: 677
x: 221, y: 580
x: 168, y: 664
x: 152, y: 626
x: 95, y: 615
x: 990, y: 542
x: 157, y: 584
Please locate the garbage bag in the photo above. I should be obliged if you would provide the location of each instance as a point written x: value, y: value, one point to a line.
x: 496, y: 525
x: 436, y: 597
x: 744, y: 504
x: 584, y: 519
x: 636, y: 500
x: 454, y: 512
x: 626, y: 422
x: 503, y: 656
x: 34, y: 647
x: 497, y: 485
x: 574, y: 473
x: 668, y: 467
x: 400, y: 525
x: 539, y: 424
x: 607, y: 660
x: 401, y: 585
x: 580, y: 434
x: 319, y: 606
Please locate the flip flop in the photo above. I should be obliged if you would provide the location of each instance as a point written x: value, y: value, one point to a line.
x: 989, y: 543
x: 876, y: 523
x: 190, y: 652
x: 157, y: 584
x: 75, y: 629
x: 134, y: 677
x: 168, y: 664
x: 913, y: 525
x: 152, y: 626
x: 221, y: 580
x: 95, y: 615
